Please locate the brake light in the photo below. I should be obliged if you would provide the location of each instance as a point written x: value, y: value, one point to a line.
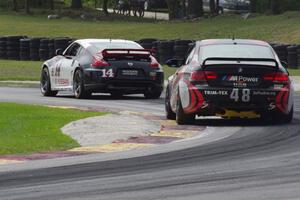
x: 276, y: 77
x: 203, y: 76
x: 98, y: 61
x: 211, y: 75
x: 154, y: 63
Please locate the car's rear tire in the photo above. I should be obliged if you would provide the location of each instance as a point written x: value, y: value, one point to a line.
x: 169, y: 112
x: 45, y: 84
x: 78, y: 86
x: 181, y: 117
x: 152, y: 94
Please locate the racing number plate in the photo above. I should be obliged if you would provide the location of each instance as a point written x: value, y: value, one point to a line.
x: 130, y: 72
x: 241, y: 95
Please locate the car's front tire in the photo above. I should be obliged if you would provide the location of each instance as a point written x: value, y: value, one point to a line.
x: 45, y: 84
x: 181, y: 117
x: 78, y: 86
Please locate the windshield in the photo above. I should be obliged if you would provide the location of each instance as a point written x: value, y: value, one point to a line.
x: 235, y: 51
x: 98, y: 46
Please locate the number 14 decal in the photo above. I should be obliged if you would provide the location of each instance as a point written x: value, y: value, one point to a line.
x: 107, y: 73
x: 236, y: 97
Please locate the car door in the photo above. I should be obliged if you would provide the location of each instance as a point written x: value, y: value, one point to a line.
x: 68, y: 65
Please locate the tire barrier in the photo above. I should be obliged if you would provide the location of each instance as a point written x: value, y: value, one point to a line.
x: 62, y: 43
x: 165, y: 51
x: 298, y: 57
x: 292, y: 56
x: 3, y: 54
x: 13, y: 47
x: 147, y: 43
x: 281, y: 51
x: 34, y: 48
x: 44, y: 49
x: 25, y: 49
x: 181, y: 48
x: 51, y: 48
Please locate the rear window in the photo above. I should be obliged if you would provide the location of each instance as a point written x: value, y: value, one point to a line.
x: 235, y: 51
x: 98, y: 46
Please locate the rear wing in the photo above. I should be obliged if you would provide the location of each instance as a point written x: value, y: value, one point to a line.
x: 127, y: 52
x: 240, y: 60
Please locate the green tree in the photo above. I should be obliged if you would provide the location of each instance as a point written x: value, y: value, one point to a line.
x: 212, y: 7
x: 195, y: 8
x: 173, y: 6
x: 77, y: 4
x: 104, y: 6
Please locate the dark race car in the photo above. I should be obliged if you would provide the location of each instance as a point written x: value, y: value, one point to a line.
x: 108, y: 66
x: 230, y: 78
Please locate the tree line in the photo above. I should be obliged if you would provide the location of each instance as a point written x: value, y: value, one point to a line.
x: 189, y: 8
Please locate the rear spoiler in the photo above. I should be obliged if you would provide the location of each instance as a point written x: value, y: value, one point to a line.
x: 132, y: 52
x: 241, y: 59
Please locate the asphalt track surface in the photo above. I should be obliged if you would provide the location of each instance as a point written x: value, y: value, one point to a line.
x: 257, y: 161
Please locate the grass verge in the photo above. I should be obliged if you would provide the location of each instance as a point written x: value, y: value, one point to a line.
x: 29, y: 128
x: 278, y: 28
x: 20, y: 70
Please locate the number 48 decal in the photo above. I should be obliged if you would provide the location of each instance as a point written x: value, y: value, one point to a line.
x: 236, y: 96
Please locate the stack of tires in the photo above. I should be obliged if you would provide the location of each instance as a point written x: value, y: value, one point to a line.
x: 3, y: 54
x: 292, y: 56
x: 298, y: 57
x: 61, y: 43
x: 181, y: 48
x: 165, y: 50
x: 155, y: 49
x: 25, y: 49
x: 281, y: 50
x: 44, y: 49
x: 147, y: 43
x: 13, y: 47
x: 34, y: 48
x: 51, y: 48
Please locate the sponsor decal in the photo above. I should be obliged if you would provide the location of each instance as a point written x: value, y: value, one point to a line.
x: 62, y: 81
x: 264, y: 93
x: 241, y: 79
x: 216, y: 92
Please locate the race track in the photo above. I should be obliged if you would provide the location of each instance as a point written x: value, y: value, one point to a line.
x: 258, y: 161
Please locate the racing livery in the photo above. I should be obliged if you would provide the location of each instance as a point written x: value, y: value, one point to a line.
x: 117, y: 67
x: 229, y: 78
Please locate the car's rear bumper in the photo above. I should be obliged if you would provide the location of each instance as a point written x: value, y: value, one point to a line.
x: 127, y: 85
x: 208, y: 101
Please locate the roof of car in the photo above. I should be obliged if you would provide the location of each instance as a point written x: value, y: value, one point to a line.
x: 87, y: 42
x: 232, y: 41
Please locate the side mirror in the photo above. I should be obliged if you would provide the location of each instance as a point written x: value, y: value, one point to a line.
x: 284, y: 64
x: 59, y: 52
x: 174, y: 63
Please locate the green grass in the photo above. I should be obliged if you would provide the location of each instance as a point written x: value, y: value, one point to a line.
x: 20, y: 70
x: 294, y: 72
x: 28, y: 128
x: 280, y: 28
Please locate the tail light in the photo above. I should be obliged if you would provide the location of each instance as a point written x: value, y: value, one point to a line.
x: 276, y: 77
x: 98, y: 61
x: 154, y: 63
x: 203, y: 76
